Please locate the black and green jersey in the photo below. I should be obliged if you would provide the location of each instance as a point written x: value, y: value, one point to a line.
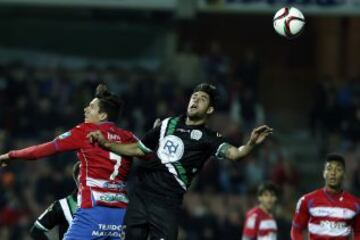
x: 177, y: 153
x: 59, y: 213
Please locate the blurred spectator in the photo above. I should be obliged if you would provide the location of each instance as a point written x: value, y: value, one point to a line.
x: 247, y: 72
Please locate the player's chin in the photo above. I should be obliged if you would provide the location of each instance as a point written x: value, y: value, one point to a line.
x: 191, y: 114
x: 334, y: 184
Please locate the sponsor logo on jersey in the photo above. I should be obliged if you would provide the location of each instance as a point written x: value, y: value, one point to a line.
x: 171, y: 149
x: 64, y: 135
x: 114, y: 137
x: 183, y: 130
x: 108, y: 197
x: 118, y: 186
x: 108, y: 230
x: 333, y: 225
x: 196, y: 134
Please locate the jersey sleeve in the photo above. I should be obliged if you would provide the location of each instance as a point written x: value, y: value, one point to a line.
x: 34, y: 152
x: 301, y: 216
x: 51, y: 217
x: 150, y: 140
x: 130, y: 137
x: 356, y: 223
x: 251, y: 226
x: 71, y: 140
x: 218, y: 145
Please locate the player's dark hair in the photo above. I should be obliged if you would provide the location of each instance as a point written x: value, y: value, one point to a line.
x: 336, y: 157
x: 75, y: 171
x: 268, y: 187
x: 210, y: 90
x: 109, y: 103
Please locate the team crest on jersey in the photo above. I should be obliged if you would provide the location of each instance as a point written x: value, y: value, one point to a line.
x: 64, y: 135
x: 171, y: 149
x: 196, y: 134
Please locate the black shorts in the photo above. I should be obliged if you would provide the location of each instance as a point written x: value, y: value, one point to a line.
x: 149, y: 215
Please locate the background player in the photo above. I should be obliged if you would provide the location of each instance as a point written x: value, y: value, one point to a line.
x: 178, y: 149
x: 259, y: 221
x: 102, y: 196
x: 329, y: 212
x: 60, y: 213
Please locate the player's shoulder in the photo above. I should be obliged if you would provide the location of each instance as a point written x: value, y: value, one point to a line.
x: 253, y: 211
x: 309, y: 197
x: 212, y: 133
x: 314, y: 194
x: 122, y: 131
x: 85, y: 126
x: 351, y: 197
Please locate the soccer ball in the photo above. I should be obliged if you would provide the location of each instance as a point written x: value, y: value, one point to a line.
x: 289, y: 22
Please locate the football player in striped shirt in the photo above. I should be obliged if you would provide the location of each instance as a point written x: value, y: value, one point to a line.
x: 329, y: 212
x: 59, y: 213
x: 102, y: 196
x: 259, y: 222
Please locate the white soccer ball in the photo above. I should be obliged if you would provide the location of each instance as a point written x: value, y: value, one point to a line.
x: 289, y: 22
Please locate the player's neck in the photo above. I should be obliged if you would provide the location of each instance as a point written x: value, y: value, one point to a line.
x: 195, y: 122
x: 264, y: 209
x: 333, y: 190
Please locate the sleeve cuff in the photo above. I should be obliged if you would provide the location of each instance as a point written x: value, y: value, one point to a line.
x: 143, y: 147
x: 220, y: 152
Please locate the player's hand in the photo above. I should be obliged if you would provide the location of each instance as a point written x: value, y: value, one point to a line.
x: 4, y: 159
x: 259, y: 134
x: 96, y: 137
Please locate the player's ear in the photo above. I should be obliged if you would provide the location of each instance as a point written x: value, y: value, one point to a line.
x: 210, y: 110
x: 103, y: 116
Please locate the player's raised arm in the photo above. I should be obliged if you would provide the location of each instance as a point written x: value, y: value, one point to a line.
x: 29, y: 153
x: 258, y: 135
x: 132, y: 149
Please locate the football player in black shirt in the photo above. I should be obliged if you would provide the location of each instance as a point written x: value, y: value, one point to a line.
x: 175, y: 151
x: 59, y: 213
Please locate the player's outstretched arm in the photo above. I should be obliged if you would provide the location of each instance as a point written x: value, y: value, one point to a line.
x: 258, y: 135
x: 131, y: 149
x: 29, y: 153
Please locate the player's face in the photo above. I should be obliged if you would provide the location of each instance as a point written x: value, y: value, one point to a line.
x: 91, y: 112
x: 334, y: 174
x: 268, y: 200
x: 199, y: 105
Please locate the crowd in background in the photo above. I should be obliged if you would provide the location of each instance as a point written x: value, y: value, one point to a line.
x: 39, y: 103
